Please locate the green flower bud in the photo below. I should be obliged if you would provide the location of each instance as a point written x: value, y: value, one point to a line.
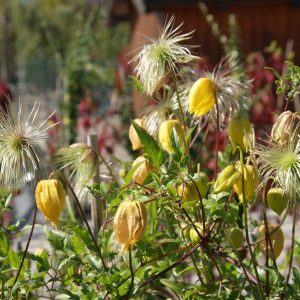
x: 240, y: 132
x: 250, y: 182
x: 235, y: 237
x: 277, y: 200
x: 228, y: 177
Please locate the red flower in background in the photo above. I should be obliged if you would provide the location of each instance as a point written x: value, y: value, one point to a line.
x: 5, y: 96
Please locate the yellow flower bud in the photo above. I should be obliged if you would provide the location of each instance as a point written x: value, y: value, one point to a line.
x: 130, y: 222
x: 202, y: 96
x: 287, y: 123
x: 164, y: 134
x: 277, y: 240
x: 250, y: 182
x: 133, y: 136
x: 277, y: 200
x: 228, y: 177
x: 50, y: 199
x: 240, y: 133
x: 143, y: 168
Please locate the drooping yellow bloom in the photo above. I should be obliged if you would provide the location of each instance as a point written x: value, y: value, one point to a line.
x: 164, y: 134
x: 50, y: 199
x: 202, y: 96
x: 143, y: 168
x: 133, y: 136
x: 130, y: 222
x: 277, y: 240
x: 228, y: 177
x: 250, y: 182
x: 240, y: 132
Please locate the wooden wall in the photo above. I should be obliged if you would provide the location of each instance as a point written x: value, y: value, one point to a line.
x: 260, y: 22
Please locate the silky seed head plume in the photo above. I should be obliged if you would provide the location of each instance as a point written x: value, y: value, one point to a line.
x: 162, y: 56
x: 166, y: 105
x: 82, y: 162
x: 80, y: 159
x: 281, y: 163
x: 19, y: 135
x: 221, y: 86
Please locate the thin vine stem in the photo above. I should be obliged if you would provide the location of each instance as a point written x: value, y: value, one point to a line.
x: 131, y: 273
x: 246, y: 224
x: 37, y: 173
x: 217, y: 140
x: 293, y: 242
x: 84, y: 219
x: 183, y: 121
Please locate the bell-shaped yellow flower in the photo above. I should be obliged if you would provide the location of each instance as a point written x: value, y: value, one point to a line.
x: 202, y: 96
x: 228, y: 177
x: 130, y: 222
x: 143, y: 168
x: 250, y: 182
x: 277, y: 240
x: 50, y: 199
x: 133, y: 136
x: 240, y: 133
x: 164, y: 134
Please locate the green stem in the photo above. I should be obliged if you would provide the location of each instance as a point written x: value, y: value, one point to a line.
x: 246, y: 225
x: 197, y: 269
x: 293, y: 242
x: 131, y: 273
x: 85, y: 220
x: 37, y: 174
x: 201, y: 203
x: 217, y: 140
x: 107, y: 166
x: 187, y: 151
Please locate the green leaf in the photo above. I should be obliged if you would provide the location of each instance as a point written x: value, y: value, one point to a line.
x: 154, y: 152
x: 296, y: 276
x: 14, y: 259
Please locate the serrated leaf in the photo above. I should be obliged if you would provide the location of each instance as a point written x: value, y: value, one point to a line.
x: 296, y: 276
x: 14, y: 259
x: 151, y: 148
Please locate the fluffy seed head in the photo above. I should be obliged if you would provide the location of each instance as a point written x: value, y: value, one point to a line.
x: 19, y: 134
x: 281, y: 163
x: 162, y: 56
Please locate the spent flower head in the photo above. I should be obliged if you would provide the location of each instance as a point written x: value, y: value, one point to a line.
x: 82, y: 162
x: 162, y: 56
x: 165, y: 105
x: 19, y: 134
x: 281, y: 163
